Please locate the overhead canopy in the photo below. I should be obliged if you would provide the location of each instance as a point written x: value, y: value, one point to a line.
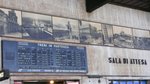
x: 144, y: 5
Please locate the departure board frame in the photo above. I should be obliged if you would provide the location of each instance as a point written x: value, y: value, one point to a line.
x: 26, y: 57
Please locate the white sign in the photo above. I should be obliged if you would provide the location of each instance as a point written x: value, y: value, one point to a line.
x: 71, y: 82
x: 17, y: 82
x: 1, y: 74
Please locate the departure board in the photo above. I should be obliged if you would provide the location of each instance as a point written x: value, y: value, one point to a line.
x: 39, y: 57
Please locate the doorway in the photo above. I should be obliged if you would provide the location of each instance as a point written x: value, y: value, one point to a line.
x: 48, y: 82
x: 45, y: 82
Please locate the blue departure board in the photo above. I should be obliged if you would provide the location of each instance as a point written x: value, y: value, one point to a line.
x: 39, y: 57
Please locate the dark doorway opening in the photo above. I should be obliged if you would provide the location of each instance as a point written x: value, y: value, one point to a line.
x: 45, y: 82
x: 48, y: 82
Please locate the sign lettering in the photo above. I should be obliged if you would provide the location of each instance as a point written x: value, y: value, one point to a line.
x: 127, y: 61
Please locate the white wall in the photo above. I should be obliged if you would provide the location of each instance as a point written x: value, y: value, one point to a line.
x: 111, y: 14
x: 5, y: 81
x: 0, y: 55
x: 98, y: 62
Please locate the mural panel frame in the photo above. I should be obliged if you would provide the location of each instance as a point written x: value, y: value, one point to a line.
x: 65, y: 30
x: 37, y: 26
x: 108, y: 34
x: 141, y: 39
x: 10, y: 23
x: 90, y: 33
x: 123, y: 37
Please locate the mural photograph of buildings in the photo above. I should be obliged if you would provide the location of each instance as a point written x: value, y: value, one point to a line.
x: 108, y: 34
x: 90, y: 33
x: 66, y: 30
x: 36, y: 26
x: 28, y: 25
x: 10, y: 23
x: 122, y: 37
x: 141, y: 39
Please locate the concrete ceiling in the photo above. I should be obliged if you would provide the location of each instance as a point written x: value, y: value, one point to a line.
x: 144, y: 5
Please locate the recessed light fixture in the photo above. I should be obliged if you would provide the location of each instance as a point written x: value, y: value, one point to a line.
x: 51, y: 82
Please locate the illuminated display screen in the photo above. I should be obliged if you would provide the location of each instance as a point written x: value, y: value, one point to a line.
x: 143, y: 82
x: 115, y: 82
x: 136, y: 82
x: 122, y: 82
x: 38, y: 57
x: 129, y: 82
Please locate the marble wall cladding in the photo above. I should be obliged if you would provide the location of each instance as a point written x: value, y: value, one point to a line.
x: 103, y: 54
x: 114, y: 61
x: 108, y: 13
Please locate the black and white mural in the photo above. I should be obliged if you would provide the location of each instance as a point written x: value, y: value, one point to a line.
x: 10, y: 23
x: 27, y: 25
x: 37, y: 26
x: 108, y: 34
x: 90, y: 33
x: 66, y: 30
x: 141, y: 39
x: 122, y: 37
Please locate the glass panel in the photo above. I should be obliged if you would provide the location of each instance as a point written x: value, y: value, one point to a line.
x: 143, y: 82
x: 123, y: 82
x: 115, y: 82
x: 129, y: 82
x: 136, y: 82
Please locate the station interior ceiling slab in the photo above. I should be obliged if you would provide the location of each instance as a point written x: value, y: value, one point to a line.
x: 144, y: 5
